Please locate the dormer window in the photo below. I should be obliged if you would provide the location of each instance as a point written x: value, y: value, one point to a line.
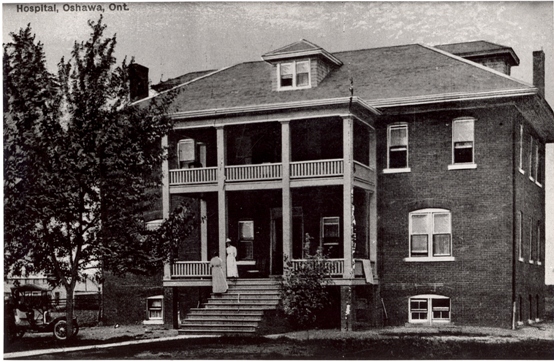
x: 295, y: 74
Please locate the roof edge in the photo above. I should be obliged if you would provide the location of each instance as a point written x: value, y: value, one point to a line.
x: 274, y: 107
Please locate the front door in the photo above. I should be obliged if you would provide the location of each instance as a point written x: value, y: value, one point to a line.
x: 276, y: 250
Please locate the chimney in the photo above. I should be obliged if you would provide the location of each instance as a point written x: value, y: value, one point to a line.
x: 138, y: 81
x: 538, y: 71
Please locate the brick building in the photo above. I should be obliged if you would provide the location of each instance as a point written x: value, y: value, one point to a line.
x: 418, y: 171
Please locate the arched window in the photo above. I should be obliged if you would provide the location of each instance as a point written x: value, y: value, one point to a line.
x: 429, y: 308
x: 430, y: 234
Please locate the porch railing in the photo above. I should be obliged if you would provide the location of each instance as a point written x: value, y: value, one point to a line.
x: 362, y: 171
x: 191, y: 269
x: 335, y: 266
x: 193, y: 176
x: 320, y: 168
x: 267, y: 171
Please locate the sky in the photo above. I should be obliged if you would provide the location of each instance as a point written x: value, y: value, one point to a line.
x: 172, y: 38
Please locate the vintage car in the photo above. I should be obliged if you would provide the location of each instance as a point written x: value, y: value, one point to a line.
x: 30, y: 309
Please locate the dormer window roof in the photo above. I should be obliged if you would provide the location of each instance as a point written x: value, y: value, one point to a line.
x: 300, y: 65
x: 300, y: 49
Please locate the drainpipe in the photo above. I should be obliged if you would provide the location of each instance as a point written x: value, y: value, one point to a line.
x: 515, y: 158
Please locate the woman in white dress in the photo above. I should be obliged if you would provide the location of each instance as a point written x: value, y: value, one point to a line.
x: 232, y: 270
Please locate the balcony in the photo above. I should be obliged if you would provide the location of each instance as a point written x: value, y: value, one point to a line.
x: 201, y: 269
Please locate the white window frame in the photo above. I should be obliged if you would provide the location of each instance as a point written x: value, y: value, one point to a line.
x: 519, y: 235
x: 538, y: 242
x: 463, y: 165
x: 430, y: 213
x: 537, y: 163
x: 531, y: 154
x: 521, y: 149
x: 430, y: 318
x: 294, y: 64
x: 531, y: 228
x: 398, y: 169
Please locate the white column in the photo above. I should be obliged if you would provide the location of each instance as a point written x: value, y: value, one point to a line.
x: 348, y: 190
x: 221, y: 195
x: 165, y: 202
x: 286, y: 194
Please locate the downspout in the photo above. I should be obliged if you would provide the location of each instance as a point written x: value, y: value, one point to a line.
x: 515, y: 141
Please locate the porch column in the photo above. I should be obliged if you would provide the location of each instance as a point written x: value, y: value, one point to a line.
x: 348, y: 192
x: 165, y: 201
x: 287, y: 201
x: 221, y: 195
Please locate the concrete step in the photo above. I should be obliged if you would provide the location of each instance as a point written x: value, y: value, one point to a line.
x: 218, y: 323
x: 226, y: 311
x: 243, y: 297
x: 200, y: 329
x: 223, y: 318
x: 233, y: 302
x: 240, y: 306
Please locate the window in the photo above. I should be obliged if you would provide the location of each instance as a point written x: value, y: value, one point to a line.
x: 295, y: 74
x: 540, y: 166
x: 531, y: 246
x: 430, y: 234
x: 519, y: 235
x: 397, y: 147
x: 155, y: 307
x: 429, y: 309
x: 538, y: 242
x: 463, y: 141
x: 536, y: 161
x: 521, y: 148
x: 330, y: 236
x: 246, y: 238
x: 531, y: 159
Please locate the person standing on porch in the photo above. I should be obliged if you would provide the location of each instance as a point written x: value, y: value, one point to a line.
x: 232, y: 269
x: 219, y: 283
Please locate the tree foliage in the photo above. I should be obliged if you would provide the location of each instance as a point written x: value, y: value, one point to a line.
x: 303, y: 290
x: 80, y: 160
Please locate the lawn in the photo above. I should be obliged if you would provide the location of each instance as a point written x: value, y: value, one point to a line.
x: 385, y: 348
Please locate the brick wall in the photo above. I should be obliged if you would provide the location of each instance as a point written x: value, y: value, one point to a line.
x: 530, y: 199
x: 479, y: 281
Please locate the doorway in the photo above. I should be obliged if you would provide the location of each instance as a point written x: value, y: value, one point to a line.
x: 276, y: 249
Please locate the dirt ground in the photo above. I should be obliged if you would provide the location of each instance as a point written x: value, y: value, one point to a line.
x: 113, y: 334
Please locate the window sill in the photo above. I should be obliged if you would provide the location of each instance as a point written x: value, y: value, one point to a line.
x: 539, y: 263
x: 397, y: 170
x: 521, y: 171
x: 521, y: 259
x: 532, y: 179
x: 462, y: 166
x: 283, y: 89
x: 538, y: 184
x: 531, y: 262
x: 427, y: 259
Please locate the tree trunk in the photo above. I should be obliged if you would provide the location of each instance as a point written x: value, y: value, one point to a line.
x: 69, y: 309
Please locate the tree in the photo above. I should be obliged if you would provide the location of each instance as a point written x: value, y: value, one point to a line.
x: 81, y: 160
x: 303, y: 290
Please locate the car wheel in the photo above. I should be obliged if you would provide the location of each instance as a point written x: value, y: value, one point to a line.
x: 60, y: 330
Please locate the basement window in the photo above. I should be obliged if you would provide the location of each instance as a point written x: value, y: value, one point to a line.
x: 428, y: 309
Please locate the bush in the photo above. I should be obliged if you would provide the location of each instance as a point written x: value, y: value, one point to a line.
x: 303, y: 290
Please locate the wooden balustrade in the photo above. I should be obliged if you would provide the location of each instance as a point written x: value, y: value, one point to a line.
x: 193, y: 176
x: 363, y: 172
x: 191, y: 269
x: 267, y: 171
x: 319, y: 168
x: 334, y: 266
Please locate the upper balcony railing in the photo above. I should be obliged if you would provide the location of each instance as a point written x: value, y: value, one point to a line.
x: 193, y: 176
x: 269, y: 171
x: 319, y: 168
x: 266, y: 171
